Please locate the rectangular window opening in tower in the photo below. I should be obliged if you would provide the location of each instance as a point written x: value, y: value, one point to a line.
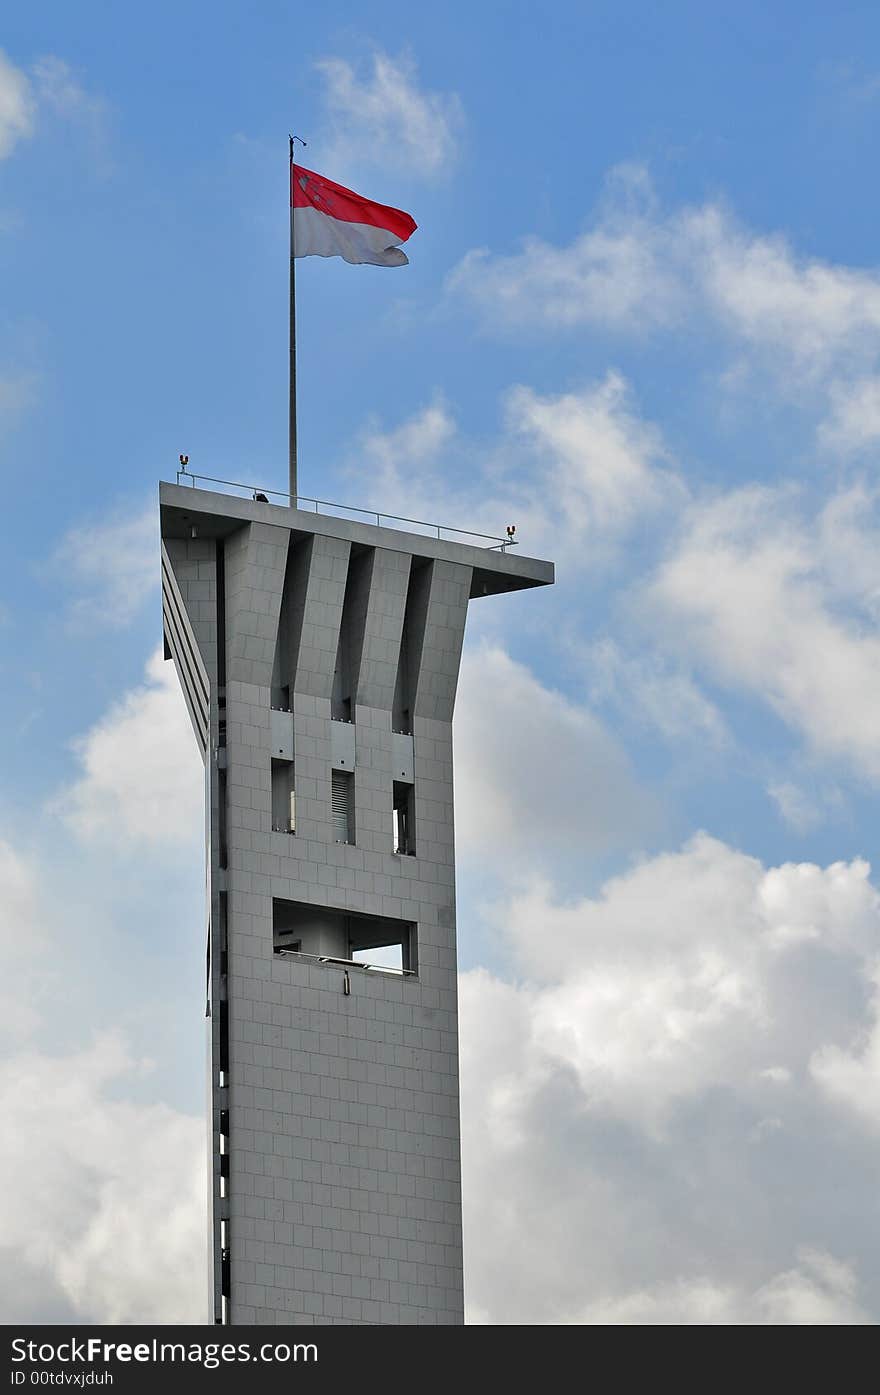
x: 403, y: 818
x: 382, y: 944
x: 283, y: 797
x: 331, y: 936
x: 342, y: 799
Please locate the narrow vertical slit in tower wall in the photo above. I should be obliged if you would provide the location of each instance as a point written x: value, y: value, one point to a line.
x: 411, y: 641
x: 221, y: 992
x: 221, y: 618
x: 403, y: 818
x: 222, y: 851
x: 283, y: 796
x: 220, y: 1038
x: 342, y: 802
x: 351, y: 634
x: 221, y: 1142
x: 290, y: 620
x: 221, y: 702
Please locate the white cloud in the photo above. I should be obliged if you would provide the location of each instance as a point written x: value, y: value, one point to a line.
x: 667, y: 699
x: 771, y: 603
x: 812, y: 311
x: 620, y: 275
x: 640, y: 269
x: 605, y: 464
x: 141, y: 784
x: 801, y: 810
x: 52, y: 87
x: 16, y: 106
x: 693, y: 903
x: 115, y: 563
x: 809, y: 324
x: 672, y: 1058
x: 805, y: 809
x: 17, y: 392
x: 101, y: 1198
x: 851, y: 1074
x: 60, y: 92
x: 536, y: 774
x: 821, y: 1290
x: 421, y: 440
x: 574, y: 471
x: 60, y: 89
x: 757, y: 590
x: 851, y: 84
x: 606, y: 279
x: 382, y: 116
x: 817, y: 1291
x: 854, y: 420
x: 847, y: 547
x: 23, y: 948
x: 429, y: 439
x: 102, y: 1211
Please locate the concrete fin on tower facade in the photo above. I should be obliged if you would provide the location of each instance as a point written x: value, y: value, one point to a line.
x: 440, y: 622
x: 382, y: 630
x: 323, y: 581
x: 350, y: 641
x: 255, y: 565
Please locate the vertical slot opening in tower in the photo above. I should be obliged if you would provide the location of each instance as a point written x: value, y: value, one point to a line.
x: 411, y: 639
x: 283, y: 797
x: 403, y: 818
x: 351, y: 634
x: 342, y: 797
x: 290, y: 621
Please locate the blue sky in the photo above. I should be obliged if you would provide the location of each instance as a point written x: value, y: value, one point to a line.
x: 641, y: 321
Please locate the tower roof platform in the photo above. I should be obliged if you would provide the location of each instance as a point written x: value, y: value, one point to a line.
x: 497, y: 567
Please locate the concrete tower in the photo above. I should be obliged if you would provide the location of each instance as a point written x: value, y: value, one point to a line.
x: 319, y: 660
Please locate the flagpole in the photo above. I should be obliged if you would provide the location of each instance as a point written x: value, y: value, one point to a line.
x: 292, y: 460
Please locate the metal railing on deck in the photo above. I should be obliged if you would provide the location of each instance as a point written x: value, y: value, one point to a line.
x: 437, y: 529
x: 344, y: 963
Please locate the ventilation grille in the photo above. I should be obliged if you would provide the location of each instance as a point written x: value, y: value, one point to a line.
x: 342, y: 790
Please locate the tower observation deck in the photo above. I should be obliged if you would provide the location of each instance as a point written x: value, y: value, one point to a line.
x: 319, y: 660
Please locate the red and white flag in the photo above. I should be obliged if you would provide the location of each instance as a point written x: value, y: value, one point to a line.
x: 327, y: 220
